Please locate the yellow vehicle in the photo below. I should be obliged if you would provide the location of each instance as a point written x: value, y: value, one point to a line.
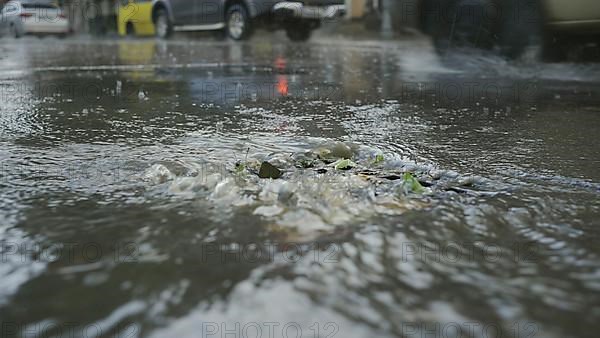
x: 134, y: 17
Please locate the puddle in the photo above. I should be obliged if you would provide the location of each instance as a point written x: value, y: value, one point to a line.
x: 398, y: 205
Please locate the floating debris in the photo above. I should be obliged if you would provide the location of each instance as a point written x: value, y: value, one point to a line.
x: 411, y: 184
x: 334, y: 151
x: 308, y: 188
x: 158, y: 174
x: 240, y: 167
x: 378, y: 159
x: 344, y: 165
x: 267, y: 170
x: 305, y: 160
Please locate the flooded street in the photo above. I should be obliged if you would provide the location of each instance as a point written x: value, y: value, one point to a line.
x: 131, y: 203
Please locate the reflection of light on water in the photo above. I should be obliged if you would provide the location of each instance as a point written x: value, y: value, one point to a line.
x: 282, y: 85
x: 19, y: 104
x: 20, y: 258
x: 139, y: 53
x: 19, y: 98
x: 136, y: 53
x: 280, y: 65
x: 17, y: 266
x: 285, y: 312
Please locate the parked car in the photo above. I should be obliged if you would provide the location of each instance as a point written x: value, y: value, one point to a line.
x: 18, y: 18
x: 238, y: 18
x: 134, y: 17
x: 511, y: 26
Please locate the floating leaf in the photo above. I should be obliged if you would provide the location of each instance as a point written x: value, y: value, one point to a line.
x: 378, y: 159
x: 267, y: 170
x: 240, y: 167
x: 411, y: 184
x: 345, y: 165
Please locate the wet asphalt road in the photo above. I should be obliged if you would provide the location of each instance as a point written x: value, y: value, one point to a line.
x: 123, y: 212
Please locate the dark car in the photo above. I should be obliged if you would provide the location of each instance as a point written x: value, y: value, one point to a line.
x: 238, y: 18
x: 510, y: 26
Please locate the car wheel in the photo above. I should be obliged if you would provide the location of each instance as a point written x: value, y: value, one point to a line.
x: 238, y: 23
x: 163, y: 25
x: 462, y: 24
x: 298, y: 33
x: 520, y: 27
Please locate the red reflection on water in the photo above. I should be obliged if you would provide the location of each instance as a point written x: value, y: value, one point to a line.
x: 282, y: 85
x: 280, y: 65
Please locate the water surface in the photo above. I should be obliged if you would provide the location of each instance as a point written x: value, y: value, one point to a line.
x: 122, y: 212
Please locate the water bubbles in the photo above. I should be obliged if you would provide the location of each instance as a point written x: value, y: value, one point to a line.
x: 158, y: 174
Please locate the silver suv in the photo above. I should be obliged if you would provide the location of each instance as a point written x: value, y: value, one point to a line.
x: 238, y: 18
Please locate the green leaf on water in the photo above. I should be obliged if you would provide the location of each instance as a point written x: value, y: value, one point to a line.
x: 240, y: 167
x: 378, y: 159
x: 411, y: 184
x: 344, y: 165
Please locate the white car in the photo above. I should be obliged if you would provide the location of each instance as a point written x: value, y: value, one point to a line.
x: 39, y: 17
